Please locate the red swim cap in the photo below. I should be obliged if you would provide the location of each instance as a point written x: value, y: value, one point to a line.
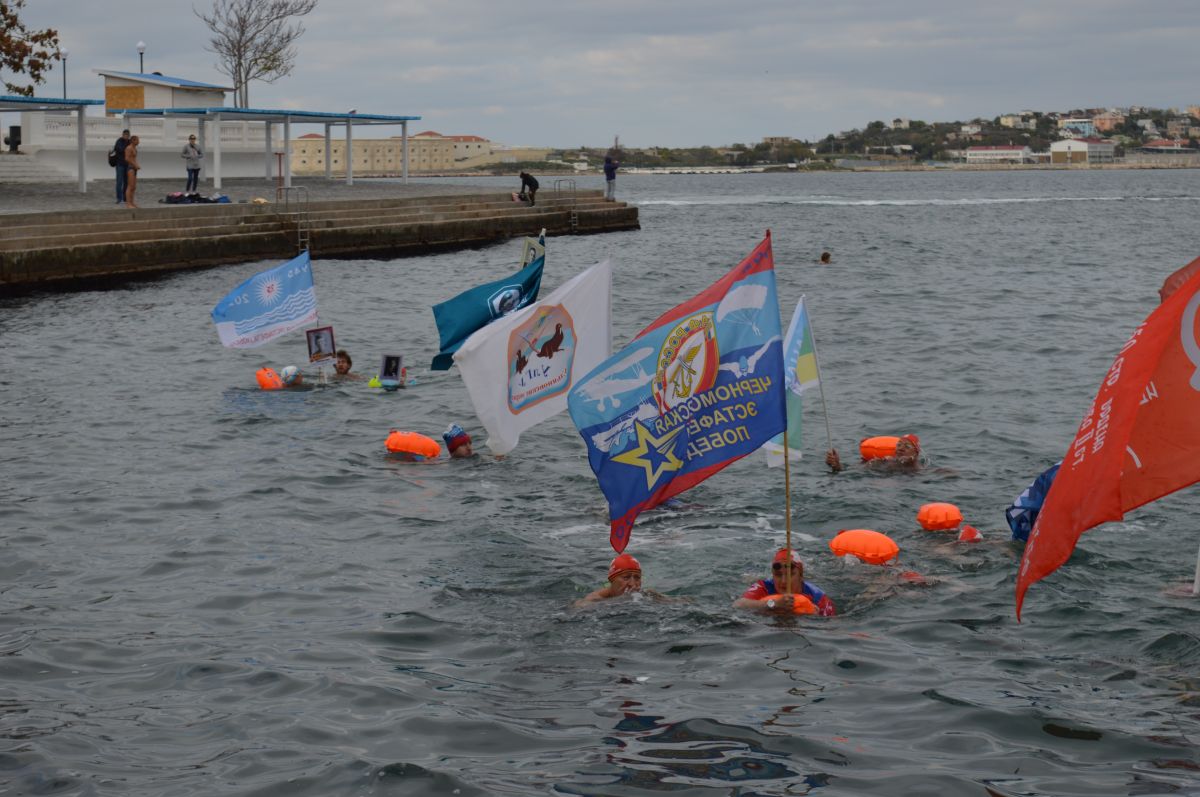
x: 912, y: 438
x: 782, y: 556
x: 621, y: 564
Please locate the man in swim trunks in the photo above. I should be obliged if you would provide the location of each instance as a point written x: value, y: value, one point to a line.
x: 756, y: 598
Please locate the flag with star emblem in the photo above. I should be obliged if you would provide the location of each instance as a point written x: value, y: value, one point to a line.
x: 699, y: 388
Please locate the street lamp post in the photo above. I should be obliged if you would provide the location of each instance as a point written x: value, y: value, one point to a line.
x: 141, y: 48
x: 63, y: 55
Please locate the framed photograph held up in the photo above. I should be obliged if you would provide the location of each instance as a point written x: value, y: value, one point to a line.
x: 390, y: 367
x: 321, y: 348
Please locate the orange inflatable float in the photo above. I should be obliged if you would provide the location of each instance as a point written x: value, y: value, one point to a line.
x: 801, y: 604
x: 939, y: 517
x: 268, y: 379
x: 878, y: 447
x: 969, y: 534
x: 411, y: 443
x: 867, y: 545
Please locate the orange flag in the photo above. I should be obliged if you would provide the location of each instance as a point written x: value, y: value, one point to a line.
x: 1139, y: 441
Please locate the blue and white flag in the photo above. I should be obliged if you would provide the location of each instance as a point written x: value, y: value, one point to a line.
x: 269, y: 304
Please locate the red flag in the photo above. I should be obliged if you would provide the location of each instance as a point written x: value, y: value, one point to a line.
x: 1173, y: 282
x: 1139, y: 440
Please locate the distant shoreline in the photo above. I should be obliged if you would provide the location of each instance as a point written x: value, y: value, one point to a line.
x: 908, y: 167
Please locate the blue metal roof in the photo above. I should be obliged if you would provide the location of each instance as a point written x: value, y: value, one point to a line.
x: 167, y: 79
x: 17, y: 103
x: 262, y: 113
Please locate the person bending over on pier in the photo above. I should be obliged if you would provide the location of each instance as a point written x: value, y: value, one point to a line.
x: 757, y: 598
x: 132, y: 167
x: 529, y: 187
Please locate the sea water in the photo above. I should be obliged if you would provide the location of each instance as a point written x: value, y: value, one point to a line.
x: 208, y: 589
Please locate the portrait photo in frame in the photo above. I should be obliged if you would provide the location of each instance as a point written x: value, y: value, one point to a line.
x: 321, y: 348
x: 389, y: 367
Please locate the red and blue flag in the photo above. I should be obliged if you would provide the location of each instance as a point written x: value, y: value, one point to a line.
x: 696, y: 390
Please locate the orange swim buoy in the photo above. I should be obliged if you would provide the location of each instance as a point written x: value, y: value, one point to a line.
x: 417, y: 445
x: 878, y: 447
x: 801, y: 604
x: 969, y: 534
x: 939, y: 517
x: 867, y: 545
x: 268, y: 379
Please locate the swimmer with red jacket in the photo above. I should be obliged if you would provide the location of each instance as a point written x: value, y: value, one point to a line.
x: 756, y: 598
x: 624, y: 578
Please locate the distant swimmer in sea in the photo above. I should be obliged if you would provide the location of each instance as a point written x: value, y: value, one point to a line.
x: 458, y: 442
x: 766, y: 594
x: 624, y: 578
x: 826, y: 258
x: 291, y: 376
x: 343, y: 364
x: 884, y: 453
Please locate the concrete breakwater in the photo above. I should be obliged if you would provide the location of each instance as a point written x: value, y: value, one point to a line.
x: 58, y: 248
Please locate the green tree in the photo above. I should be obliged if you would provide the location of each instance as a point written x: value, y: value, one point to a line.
x: 23, y: 51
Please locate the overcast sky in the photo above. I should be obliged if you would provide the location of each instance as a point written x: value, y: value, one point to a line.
x: 669, y: 72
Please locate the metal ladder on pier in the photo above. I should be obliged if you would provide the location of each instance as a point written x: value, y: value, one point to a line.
x: 295, y: 211
x: 565, y: 187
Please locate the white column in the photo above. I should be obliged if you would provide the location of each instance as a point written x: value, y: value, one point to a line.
x: 81, y: 146
x: 270, y: 154
x: 287, y: 151
x: 217, y: 151
x: 202, y: 141
x: 328, y: 155
x: 349, y: 153
x: 404, y: 147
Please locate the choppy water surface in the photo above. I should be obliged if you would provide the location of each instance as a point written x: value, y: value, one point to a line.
x: 206, y: 589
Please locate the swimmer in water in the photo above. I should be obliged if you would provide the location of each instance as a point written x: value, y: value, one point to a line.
x: 343, y: 364
x: 624, y: 578
x: 757, y: 597
x: 458, y: 442
x: 826, y: 259
x: 291, y: 376
x: 907, y: 456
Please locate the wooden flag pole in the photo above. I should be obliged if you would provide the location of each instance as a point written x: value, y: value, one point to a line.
x: 787, y: 501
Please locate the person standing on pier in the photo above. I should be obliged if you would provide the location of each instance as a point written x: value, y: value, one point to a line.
x: 118, y: 162
x: 193, y: 155
x: 610, y: 178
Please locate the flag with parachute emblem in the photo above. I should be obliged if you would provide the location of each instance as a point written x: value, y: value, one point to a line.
x: 698, y: 389
x: 269, y: 304
x: 519, y: 368
x: 800, y: 374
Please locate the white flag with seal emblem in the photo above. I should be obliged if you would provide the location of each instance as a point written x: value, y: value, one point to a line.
x: 519, y: 369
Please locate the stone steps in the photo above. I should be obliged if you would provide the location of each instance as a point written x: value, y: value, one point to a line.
x: 19, y: 168
x: 82, y: 245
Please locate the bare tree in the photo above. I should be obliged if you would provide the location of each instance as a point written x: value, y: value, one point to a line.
x: 254, y: 40
x: 23, y: 51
